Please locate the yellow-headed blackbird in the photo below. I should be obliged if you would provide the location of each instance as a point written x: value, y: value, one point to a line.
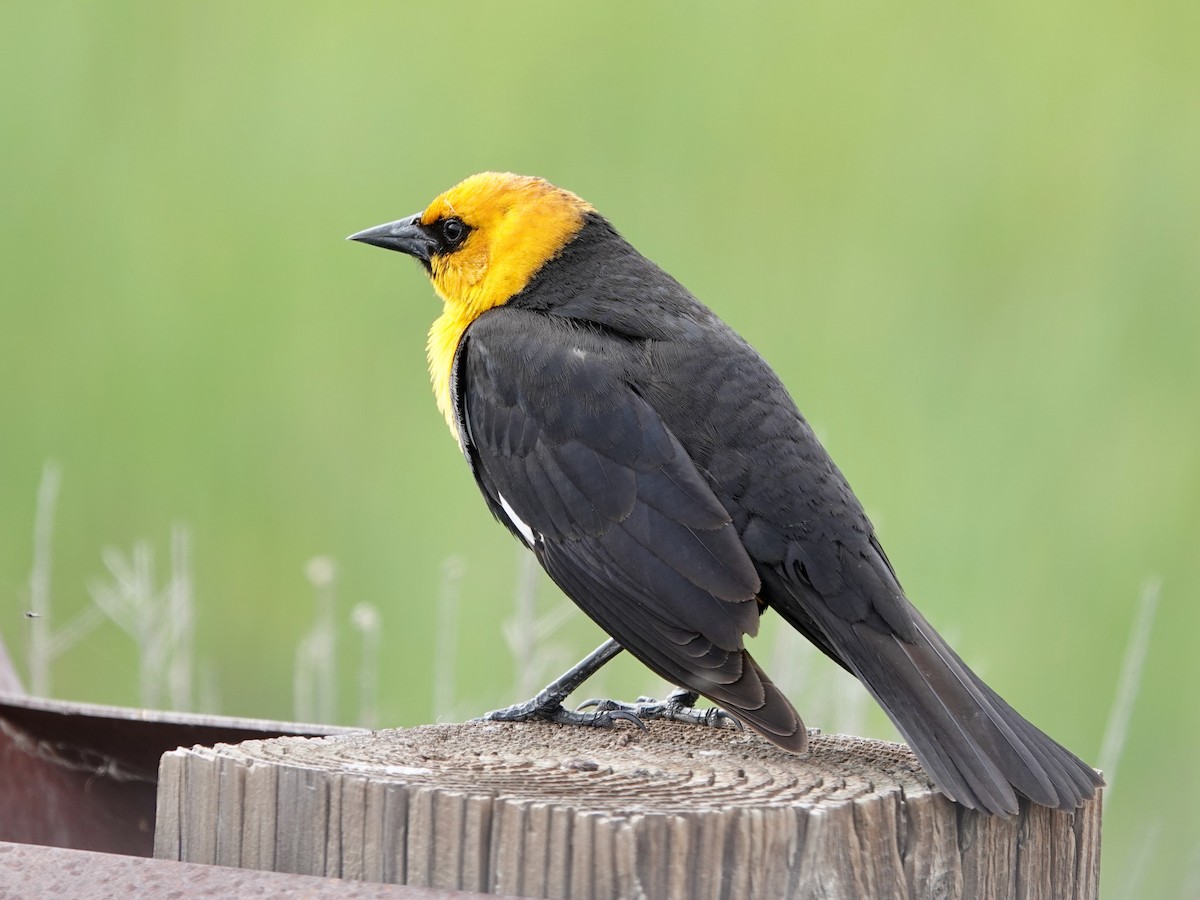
x: 664, y: 478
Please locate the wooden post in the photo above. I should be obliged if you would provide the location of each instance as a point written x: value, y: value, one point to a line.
x: 538, y: 810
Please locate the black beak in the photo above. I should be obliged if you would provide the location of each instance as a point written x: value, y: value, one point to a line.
x: 407, y: 236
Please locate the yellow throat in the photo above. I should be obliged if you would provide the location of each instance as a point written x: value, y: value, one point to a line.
x: 518, y: 224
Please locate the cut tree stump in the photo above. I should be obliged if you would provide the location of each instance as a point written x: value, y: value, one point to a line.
x: 538, y: 810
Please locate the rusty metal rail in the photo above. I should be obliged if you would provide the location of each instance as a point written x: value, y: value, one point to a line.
x: 82, y: 776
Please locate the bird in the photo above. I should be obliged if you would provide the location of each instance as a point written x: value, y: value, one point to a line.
x: 666, y: 481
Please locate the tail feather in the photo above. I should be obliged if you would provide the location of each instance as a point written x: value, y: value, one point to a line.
x: 738, y: 685
x: 757, y: 702
x: 978, y: 750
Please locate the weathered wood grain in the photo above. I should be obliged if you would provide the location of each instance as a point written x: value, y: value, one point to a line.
x: 676, y: 812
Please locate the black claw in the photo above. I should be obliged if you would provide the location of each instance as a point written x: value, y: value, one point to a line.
x: 615, y: 715
x: 718, y: 717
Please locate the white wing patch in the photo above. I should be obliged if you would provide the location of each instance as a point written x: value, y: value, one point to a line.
x: 525, y: 530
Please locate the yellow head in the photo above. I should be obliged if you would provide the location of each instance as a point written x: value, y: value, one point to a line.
x: 481, y: 242
x: 515, y: 226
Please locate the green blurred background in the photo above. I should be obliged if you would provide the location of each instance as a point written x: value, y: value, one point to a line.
x: 968, y: 237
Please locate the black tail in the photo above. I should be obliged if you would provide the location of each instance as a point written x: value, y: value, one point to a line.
x: 979, y: 750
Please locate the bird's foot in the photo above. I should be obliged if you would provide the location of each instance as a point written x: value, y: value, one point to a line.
x: 547, y: 706
x: 680, y: 706
x: 554, y: 711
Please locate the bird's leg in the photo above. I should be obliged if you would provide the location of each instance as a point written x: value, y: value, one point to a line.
x: 680, y: 706
x: 547, y: 705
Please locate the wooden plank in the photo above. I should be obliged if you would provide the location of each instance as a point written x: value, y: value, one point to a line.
x: 929, y: 846
x: 167, y: 844
x: 303, y: 801
x: 675, y: 812
x: 198, y: 831
x: 352, y: 810
x: 260, y: 795
x: 231, y: 803
x: 32, y: 871
x: 476, y: 838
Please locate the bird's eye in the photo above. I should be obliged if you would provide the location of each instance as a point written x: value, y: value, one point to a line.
x: 453, y: 231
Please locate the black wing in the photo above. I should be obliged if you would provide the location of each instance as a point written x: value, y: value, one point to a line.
x: 583, y: 470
